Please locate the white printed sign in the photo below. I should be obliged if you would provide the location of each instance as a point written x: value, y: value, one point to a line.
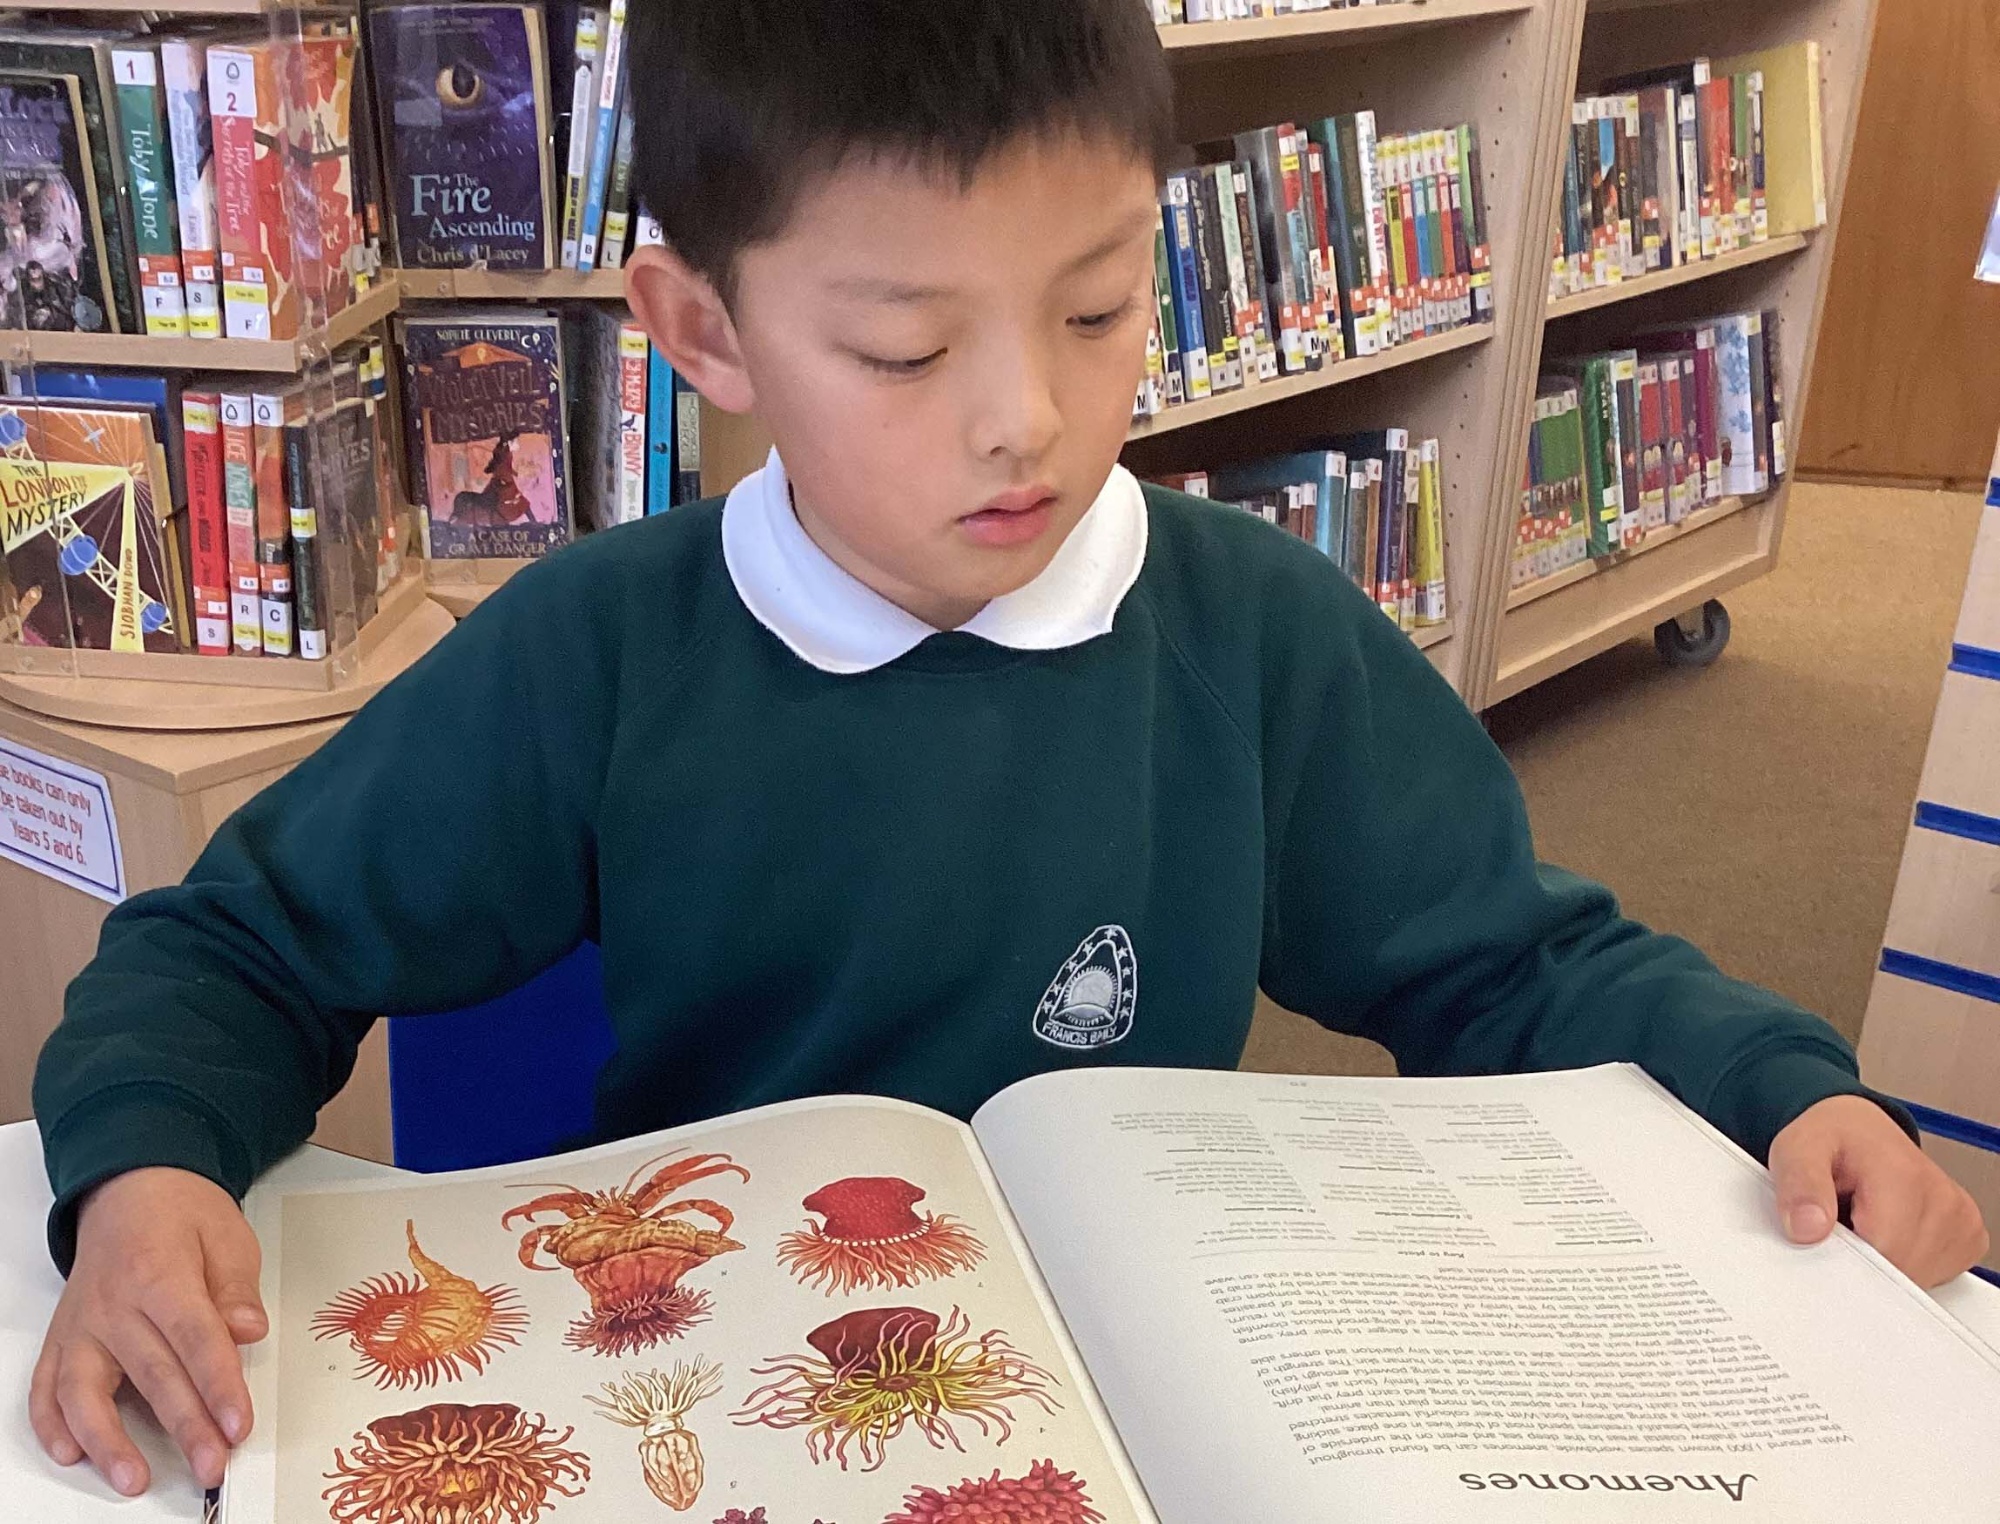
x: 56, y: 820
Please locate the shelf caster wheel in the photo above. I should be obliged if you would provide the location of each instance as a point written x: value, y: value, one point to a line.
x: 1693, y: 639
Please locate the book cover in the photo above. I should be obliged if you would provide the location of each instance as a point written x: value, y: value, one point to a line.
x: 239, y: 502
x: 320, y: 182
x: 208, y: 524
x: 466, y: 90
x: 660, y: 430
x: 87, y: 58
x: 483, y: 395
x: 355, y: 530
x: 142, y: 128
x: 1736, y: 410
x: 260, y: 297
x: 1794, y: 146
x: 184, y: 77
x: 83, y: 526
x: 54, y: 260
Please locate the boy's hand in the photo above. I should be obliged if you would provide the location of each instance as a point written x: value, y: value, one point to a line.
x: 163, y: 1290
x: 1917, y: 1217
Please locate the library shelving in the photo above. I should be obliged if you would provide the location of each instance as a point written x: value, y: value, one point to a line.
x: 1532, y: 633
x: 512, y: 285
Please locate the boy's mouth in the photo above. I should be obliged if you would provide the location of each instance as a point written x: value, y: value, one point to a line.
x: 1013, y: 518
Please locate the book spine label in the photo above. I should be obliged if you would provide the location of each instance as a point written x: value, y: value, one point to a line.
x: 274, y: 525
x: 208, y: 524
x: 183, y: 71
x: 618, y: 201
x: 610, y: 95
x: 239, y: 468
x: 687, y: 441
x: 142, y: 131
x: 583, y: 124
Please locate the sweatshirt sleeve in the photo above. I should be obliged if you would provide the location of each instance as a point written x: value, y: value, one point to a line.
x: 437, y: 851
x: 1405, y: 904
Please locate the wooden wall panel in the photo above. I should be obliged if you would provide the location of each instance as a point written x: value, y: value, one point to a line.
x: 1909, y: 381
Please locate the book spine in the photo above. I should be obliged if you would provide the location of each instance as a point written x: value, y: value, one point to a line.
x: 659, y: 433
x: 1253, y: 259
x: 1625, y: 402
x: 1406, y: 541
x: 1653, y: 248
x: 1631, y: 238
x: 142, y: 128
x: 1225, y: 369
x: 1432, y: 605
x: 1760, y: 210
x: 1718, y: 180
x: 1163, y: 301
x: 610, y: 95
x: 1688, y: 105
x: 583, y: 121
x: 1360, y: 238
x: 1389, y: 564
x: 208, y: 524
x: 1739, y: 161
x: 1387, y: 159
x: 1297, y: 245
x: 1187, y: 289
x: 1365, y: 497
x: 1774, y: 396
x: 1325, y: 285
x: 1708, y: 409
x: 1652, y: 447
x: 618, y: 200
x: 632, y: 366
x: 232, y: 97
x: 309, y: 586
x: 1674, y: 428
x: 1243, y: 321
x: 184, y: 70
x: 1327, y: 135
x: 687, y: 441
x: 1266, y: 156
x: 1607, y: 480
x: 1760, y: 410
x: 274, y: 525
x: 239, y: 478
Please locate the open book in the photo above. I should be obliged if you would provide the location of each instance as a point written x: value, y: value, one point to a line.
x: 1127, y: 1295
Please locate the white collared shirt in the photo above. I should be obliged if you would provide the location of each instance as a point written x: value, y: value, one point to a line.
x: 837, y: 623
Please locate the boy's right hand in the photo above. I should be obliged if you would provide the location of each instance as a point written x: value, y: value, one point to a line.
x: 163, y: 1290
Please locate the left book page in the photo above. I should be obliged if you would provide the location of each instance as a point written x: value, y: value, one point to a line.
x: 819, y: 1310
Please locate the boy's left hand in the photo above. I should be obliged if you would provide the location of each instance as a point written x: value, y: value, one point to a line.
x: 1848, y: 1148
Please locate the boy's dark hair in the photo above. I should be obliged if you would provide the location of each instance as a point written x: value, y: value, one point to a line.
x: 740, y: 104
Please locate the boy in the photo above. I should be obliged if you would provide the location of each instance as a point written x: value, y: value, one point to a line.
x: 938, y: 706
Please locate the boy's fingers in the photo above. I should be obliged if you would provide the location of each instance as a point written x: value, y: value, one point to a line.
x: 45, y: 1413
x: 195, y: 1332
x: 234, y: 1264
x: 84, y: 1385
x: 1802, y: 1162
x: 1889, y: 1210
x: 152, y: 1366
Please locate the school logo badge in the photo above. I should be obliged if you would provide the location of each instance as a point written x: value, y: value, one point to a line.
x: 1090, y: 1001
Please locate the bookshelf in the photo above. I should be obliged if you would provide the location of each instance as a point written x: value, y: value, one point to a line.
x: 1531, y: 634
x: 510, y: 285
x: 1318, y: 28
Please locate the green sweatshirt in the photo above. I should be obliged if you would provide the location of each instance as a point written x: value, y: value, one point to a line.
x: 927, y: 880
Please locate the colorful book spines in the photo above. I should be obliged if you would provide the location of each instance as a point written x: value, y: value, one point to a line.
x: 274, y: 524
x: 583, y: 128
x: 610, y: 98
x: 239, y: 465
x: 183, y: 75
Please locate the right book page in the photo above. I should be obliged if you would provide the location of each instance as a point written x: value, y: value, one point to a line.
x: 1531, y: 1297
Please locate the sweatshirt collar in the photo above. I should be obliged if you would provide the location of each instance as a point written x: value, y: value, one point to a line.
x: 837, y: 623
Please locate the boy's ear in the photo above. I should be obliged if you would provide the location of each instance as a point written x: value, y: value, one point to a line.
x: 689, y: 324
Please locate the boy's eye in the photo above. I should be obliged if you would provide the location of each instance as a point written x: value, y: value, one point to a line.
x: 914, y: 367
x: 1100, y: 322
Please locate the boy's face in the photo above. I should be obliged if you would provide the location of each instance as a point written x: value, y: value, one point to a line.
x: 947, y: 370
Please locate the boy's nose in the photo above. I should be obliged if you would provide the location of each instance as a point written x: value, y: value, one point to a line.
x: 1017, y: 412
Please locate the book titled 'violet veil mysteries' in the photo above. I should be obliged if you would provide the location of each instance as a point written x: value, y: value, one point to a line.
x: 466, y: 91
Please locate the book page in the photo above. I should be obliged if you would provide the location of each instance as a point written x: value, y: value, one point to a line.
x: 1508, y: 1298
x: 820, y: 1310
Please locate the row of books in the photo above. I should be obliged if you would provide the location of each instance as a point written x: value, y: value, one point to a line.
x: 1292, y: 248
x: 1681, y: 164
x: 195, y: 183
x: 1631, y: 441
x: 499, y: 117
x: 1171, y: 12
x: 214, y: 515
x: 1373, y: 502
x: 528, y: 426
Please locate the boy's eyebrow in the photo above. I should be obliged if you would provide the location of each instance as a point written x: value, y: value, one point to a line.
x: 875, y: 288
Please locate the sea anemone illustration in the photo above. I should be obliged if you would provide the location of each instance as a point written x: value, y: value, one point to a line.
x: 1044, y: 1496
x: 872, y: 1237
x: 657, y: 1406
x: 415, y: 1331
x: 628, y: 1251
x: 450, y: 1463
x: 882, y: 1369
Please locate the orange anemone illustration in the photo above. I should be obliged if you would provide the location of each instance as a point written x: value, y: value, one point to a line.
x: 452, y: 1463
x: 1044, y: 1496
x: 871, y: 1236
x: 628, y: 1250
x: 416, y: 1331
x: 883, y: 1369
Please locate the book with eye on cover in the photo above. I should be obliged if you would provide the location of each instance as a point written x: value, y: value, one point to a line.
x: 1119, y: 1295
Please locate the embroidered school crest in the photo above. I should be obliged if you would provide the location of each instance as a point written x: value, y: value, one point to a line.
x: 1090, y: 1002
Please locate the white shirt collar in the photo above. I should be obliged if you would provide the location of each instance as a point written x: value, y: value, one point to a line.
x: 839, y: 624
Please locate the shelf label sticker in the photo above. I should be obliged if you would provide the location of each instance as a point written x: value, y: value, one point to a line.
x: 56, y: 820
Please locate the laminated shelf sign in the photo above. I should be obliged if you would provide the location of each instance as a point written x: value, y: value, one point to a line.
x: 56, y: 819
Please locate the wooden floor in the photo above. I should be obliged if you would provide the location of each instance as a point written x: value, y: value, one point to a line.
x: 1758, y: 807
